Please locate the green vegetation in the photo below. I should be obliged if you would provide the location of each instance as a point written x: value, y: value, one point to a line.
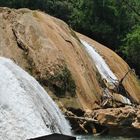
x: 61, y: 83
x: 131, y: 48
x: 114, y: 23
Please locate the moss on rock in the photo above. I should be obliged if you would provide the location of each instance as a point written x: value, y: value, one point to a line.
x: 61, y: 82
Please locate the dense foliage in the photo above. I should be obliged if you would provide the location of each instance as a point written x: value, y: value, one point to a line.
x: 131, y: 48
x: 114, y: 23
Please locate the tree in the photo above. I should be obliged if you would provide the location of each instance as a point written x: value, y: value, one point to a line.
x: 131, y: 48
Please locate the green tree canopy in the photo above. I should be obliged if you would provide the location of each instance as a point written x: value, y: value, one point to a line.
x: 132, y: 48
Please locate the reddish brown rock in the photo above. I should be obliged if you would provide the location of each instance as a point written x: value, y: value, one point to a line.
x: 122, y: 121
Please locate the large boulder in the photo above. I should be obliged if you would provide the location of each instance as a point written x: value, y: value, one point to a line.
x: 50, y: 51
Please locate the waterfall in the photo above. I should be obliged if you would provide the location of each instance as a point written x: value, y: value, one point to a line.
x: 26, y: 110
x: 103, y: 68
x: 100, y: 63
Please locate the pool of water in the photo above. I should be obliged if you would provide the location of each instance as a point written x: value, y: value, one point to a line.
x: 91, y: 137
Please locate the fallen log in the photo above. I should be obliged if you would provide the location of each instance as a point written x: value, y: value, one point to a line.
x: 83, y: 119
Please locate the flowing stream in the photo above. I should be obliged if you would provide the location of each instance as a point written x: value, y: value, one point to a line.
x: 26, y: 110
x: 102, y: 67
x: 91, y: 137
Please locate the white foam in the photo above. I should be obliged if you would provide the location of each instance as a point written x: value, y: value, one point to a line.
x: 26, y: 110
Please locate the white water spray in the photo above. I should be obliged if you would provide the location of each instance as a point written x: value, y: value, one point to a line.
x: 100, y: 63
x: 26, y: 110
x: 102, y: 67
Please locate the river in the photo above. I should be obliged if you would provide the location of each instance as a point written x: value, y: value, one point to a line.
x: 91, y: 137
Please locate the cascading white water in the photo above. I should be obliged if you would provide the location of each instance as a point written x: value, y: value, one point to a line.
x: 100, y: 63
x: 26, y: 110
x: 102, y: 67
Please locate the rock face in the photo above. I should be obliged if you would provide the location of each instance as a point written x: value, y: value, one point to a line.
x: 119, y: 121
x: 48, y: 49
x: 52, y: 52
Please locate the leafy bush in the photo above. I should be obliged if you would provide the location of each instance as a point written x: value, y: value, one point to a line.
x: 132, y: 48
x: 60, y: 83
